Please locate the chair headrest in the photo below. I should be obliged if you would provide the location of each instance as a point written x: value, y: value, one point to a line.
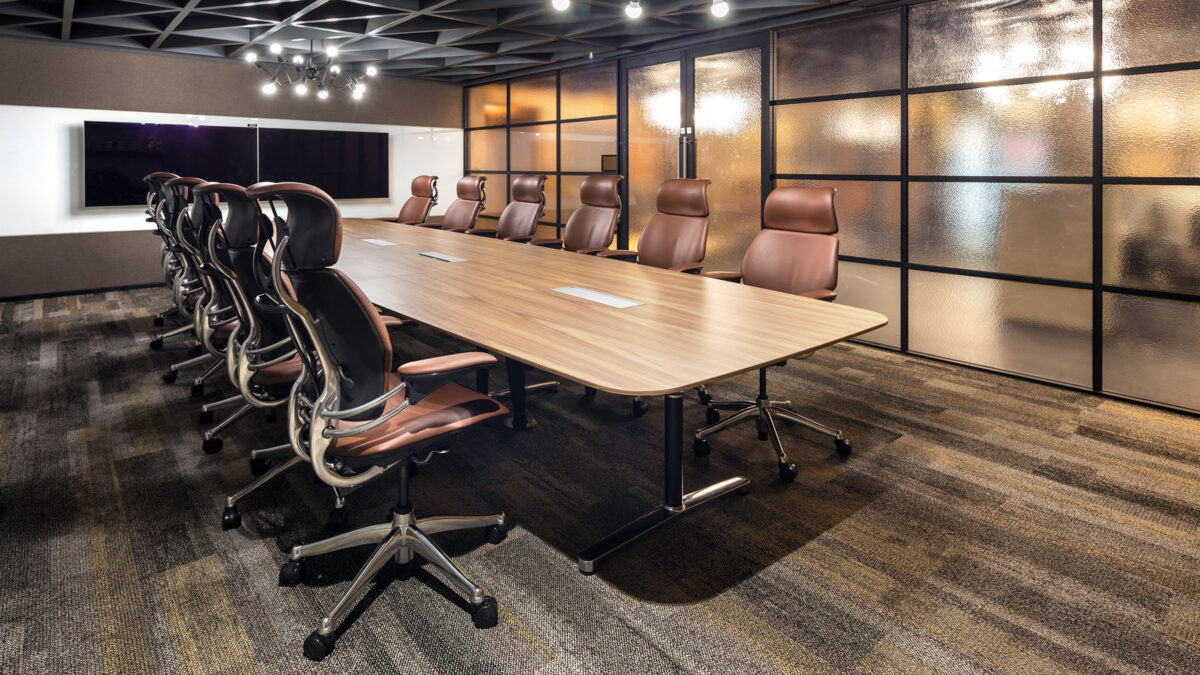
x: 801, y: 209
x: 186, y: 182
x: 601, y: 190
x: 528, y: 189
x: 470, y: 188
x: 314, y: 223
x: 422, y: 186
x: 684, y: 197
x: 241, y: 221
x: 159, y: 177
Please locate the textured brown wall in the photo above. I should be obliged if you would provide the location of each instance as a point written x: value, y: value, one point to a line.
x: 60, y: 76
x: 48, y: 264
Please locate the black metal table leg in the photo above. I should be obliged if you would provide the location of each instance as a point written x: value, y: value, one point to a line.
x: 519, y: 421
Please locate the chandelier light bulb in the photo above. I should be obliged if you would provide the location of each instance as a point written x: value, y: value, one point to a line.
x: 358, y: 94
x: 372, y: 71
x: 251, y: 57
x: 268, y: 88
x: 360, y: 88
x: 322, y: 94
x: 276, y: 48
x: 301, y: 88
x: 331, y: 52
x: 335, y: 69
x: 298, y: 60
x: 560, y: 5
x: 720, y: 8
x: 634, y: 9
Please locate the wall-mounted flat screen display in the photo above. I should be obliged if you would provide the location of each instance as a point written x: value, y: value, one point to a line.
x: 117, y: 155
x: 346, y: 164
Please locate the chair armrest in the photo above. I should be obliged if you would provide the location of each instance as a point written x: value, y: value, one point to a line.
x: 427, y: 224
x: 723, y: 276
x: 688, y: 268
x: 823, y: 294
x: 592, y: 251
x: 392, y: 322
x: 520, y: 238
x: 388, y: 220
x: 619, y: 254
x: 481, y: 233
x: 457, y: 229
x: 425, y: 376
x: 548, y: 243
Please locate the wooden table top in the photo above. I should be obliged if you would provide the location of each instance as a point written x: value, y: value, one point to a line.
x: 690, y: 331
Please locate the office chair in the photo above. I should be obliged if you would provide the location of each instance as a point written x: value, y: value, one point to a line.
x: 519, y: 220
x: 676, y: 237
x: 416, y: 208
x: 796, y: 253
x: 462, y: 212
x: 154, y: 198
x: 592, y: 226
x: 355, y: 417
x: 188, y: 288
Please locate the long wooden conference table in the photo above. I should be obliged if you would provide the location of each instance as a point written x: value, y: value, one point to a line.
x: 539, y: 306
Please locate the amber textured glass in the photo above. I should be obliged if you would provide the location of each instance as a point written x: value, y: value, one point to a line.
x: 839, y: 57
x: 1042, y: 129
x: 728, y: 119
x: 860, y: 136
x: 868, y: 214
x: 1033, y: 229
x: 494, y: 190
x: 956, y: 41
x: 551, y: 189
x: 1032, y: 329
x: 876, y: 288
x: 654, y: 120
x: 584, y: 143
x: 1151, y: 348
x: 1151, y: 125
x: 590, y: 91
x: 533, y: 148
x: 533, y: 99
x: 487, y: 105
x: 569, y: 200
x: 1150, y: 32
x: 1152, y: 237
x: 488, y: 150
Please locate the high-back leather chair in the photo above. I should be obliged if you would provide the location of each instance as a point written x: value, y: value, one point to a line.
x: 519, y: 220
x: 592, y: 226
x: 416, y: 208
x: 186, y: 283
x: 796, y: 253
x: 155, y: 193
x: 676, y: 237
x: 355, y: 417
x: 462, y: 212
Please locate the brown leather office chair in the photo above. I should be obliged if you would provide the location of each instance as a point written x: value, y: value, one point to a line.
x: 592, y: 226
x: 355, y: 417
x: 519, y: 220
x: 797, y: 253
x: 677, y: 236
x: 462, y: 212
x: 416, y: 208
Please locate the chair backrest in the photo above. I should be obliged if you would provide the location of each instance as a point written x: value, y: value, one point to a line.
x: 678, y: 233
x: 798, y: 251
x: 594, y: 222
x: 462, y: 212
x: 424, y: 196
x: 520, y: 217
x: 178, y: 195
x: 155, y: 190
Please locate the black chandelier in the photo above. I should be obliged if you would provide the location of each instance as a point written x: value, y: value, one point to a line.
x: 317, y: 69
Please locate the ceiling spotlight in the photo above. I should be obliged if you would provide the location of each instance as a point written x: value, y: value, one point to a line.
x: 372, y: 71
x: 301, y: 88
x: 634, y: 9
x: 331, y: 52
x: 269, y: 88
x: 322, y: 94
x: 276, y: 48
x: 251, y: 57
x: 298, y: 60
x: 560, y: 5
x: 720, y: 8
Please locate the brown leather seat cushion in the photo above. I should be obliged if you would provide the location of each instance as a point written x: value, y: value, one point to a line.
x: 223, y: 332
x: 280, y: 373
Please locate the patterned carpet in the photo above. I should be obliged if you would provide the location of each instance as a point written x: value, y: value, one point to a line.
x: 983, y: 524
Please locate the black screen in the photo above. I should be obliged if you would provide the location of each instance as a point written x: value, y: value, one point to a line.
x: 117, y: 155
x: 347, y: 165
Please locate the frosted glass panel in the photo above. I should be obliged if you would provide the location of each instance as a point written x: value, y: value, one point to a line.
x: 728, y: 118
x: 551, y: 189
x: 1152, y: 237
x: 1042, y: 230
x: 494, y: 189
x: 488, y: 150
x: 1149, y: 32
x: 841, y: 57
x: 589, y: 92
x: 569, y: 198
x: 852, y: 136
x: 533, y: 148
x: 583, y: 143
x: 868, y: 214
x: 487, y: 105
x: 654, y: 120
x: 1042, y: 129
x: 1043, y: 331
x: 1151, y: 126
x: 876, y: 288
x: 534, y: 99
x: 955, y: 41
x: 1152, y: 349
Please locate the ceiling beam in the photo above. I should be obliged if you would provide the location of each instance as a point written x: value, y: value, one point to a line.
x: 187, y: 9
x: 68, y: 15
x: 286, y: 23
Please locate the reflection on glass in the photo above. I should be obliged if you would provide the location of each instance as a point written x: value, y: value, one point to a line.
x: 839, y: 57
x: 1151, y: 348
x: 876, y: 288
x: 590, y: 91
x: 551, y: 190
x: 654, y: 120
x: 1152, y: 237
x: 495, y: 192
x: 569, y: 196
x: 583, y: 144
x: 487, y: 105
x: 1042, y: 129
x: 488, y: 149
x: 533, y: 99
x: 533, y: 148
x: 1032, y: 329
x: 728, y: 119
x: 986, y: 40
x: 1042, y: 230
x: 1150, y: 32
x: 868, y: 214
x: 859, y: 135
x: 1150, y: 124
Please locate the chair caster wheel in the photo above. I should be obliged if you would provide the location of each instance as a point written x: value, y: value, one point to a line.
x: 486, y: 613
x: 231, y: 519
x: 195, y: 350
x: 495, y: 533
x: 271, y: 417
x: 291, y: 573
x: 787, y: 472
x: 259, y: 466
x: 212, y: 445
x: 843, y: 447
x: 712, y: 416
x: 197, y: 390
x: 158, y: 321
x: 705, y: 397
x: 701, y: 447
x: 404, y: 571
x: 317, y: 646
x: 639, y: 408
x: 169, y: 376
x: 156, y: 344
x: 337, y: 520
x: 206, y: 416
